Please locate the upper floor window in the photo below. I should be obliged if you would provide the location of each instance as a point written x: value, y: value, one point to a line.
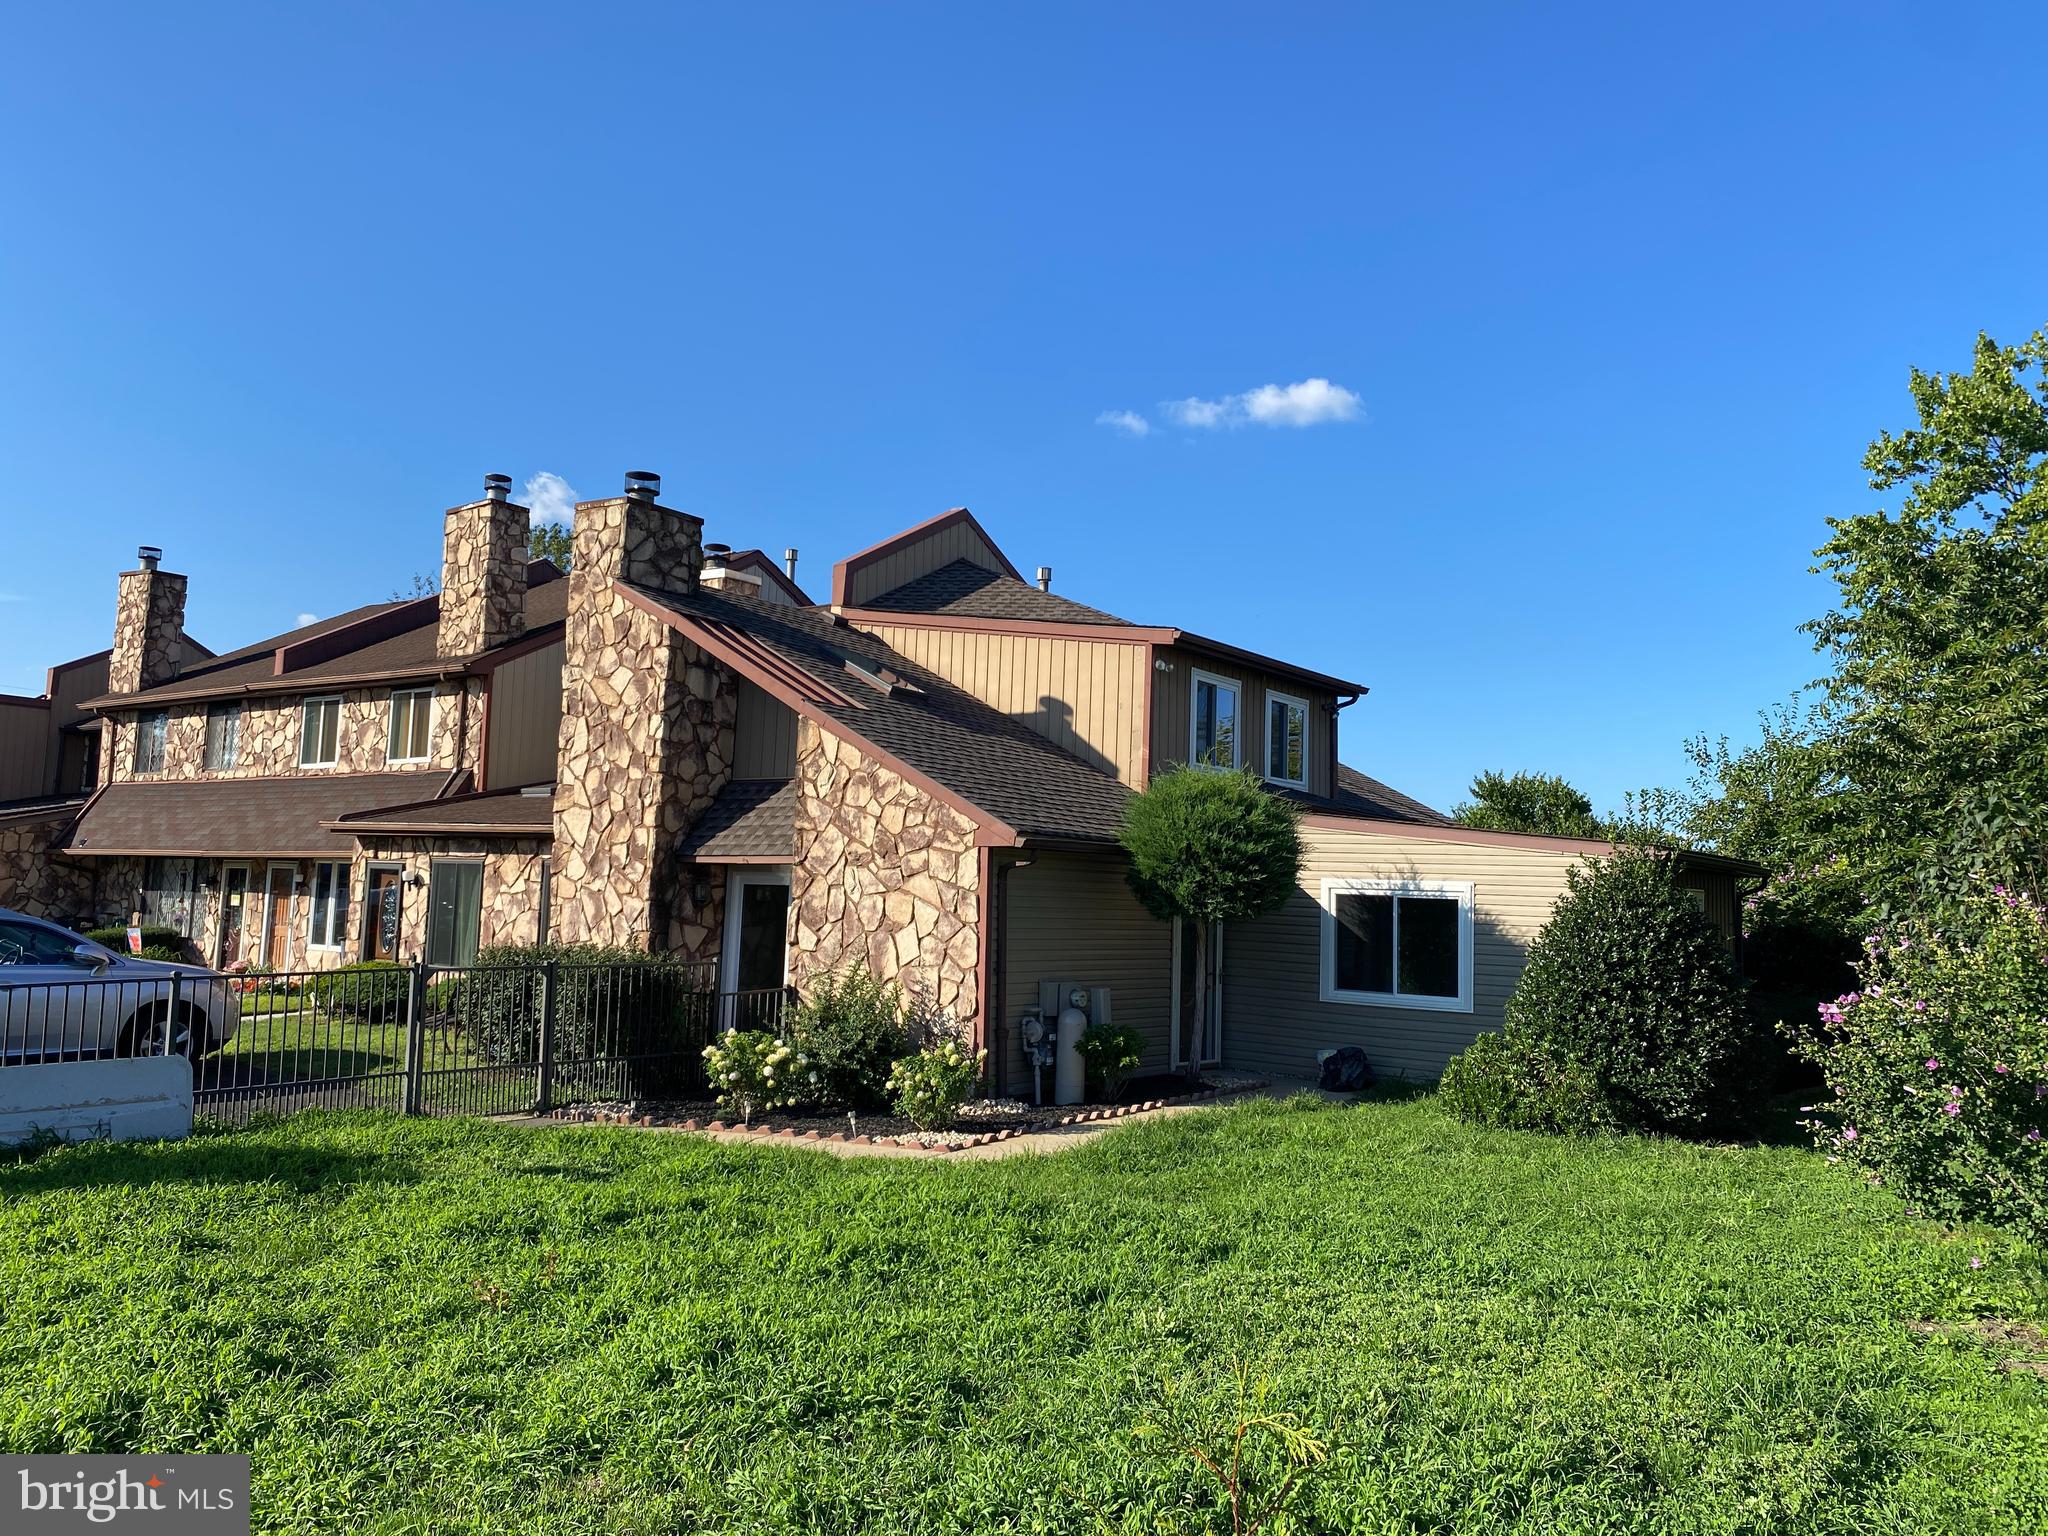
x: 151, y: 732
x: 1287, y: 740
x: 223, y: 736
x: 1213, y: 722
x: 319, y: 733
x: 1398, y: 943
x: 412, y: 713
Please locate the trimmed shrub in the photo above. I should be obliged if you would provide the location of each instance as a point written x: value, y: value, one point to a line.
x: 162, y: 952
x: 853, y: 1028
x: 928, y: 1088
x: 1937, y: 1063
x: 751, y: 1070
x: 1111, y: 1053
x: 372, y: 991
x: 154, y: 936
x: 1629, y: 984
x: 1509, y: 1081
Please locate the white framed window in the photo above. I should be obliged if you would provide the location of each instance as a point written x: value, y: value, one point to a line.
x: 412, y: 723
x: 1287, y: 740
x: 455, y: 899
x: 152, y: 732
x: 223, y: 736
x: 1393, y: 943
x: 327, y: 908
x: 319, y: 732
x: 1213, y: 721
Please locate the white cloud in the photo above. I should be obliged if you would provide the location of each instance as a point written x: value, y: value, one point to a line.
x: 1306, y: 404
x: 551, y: 498
x: 308, y: 618
x: 1130, y: 423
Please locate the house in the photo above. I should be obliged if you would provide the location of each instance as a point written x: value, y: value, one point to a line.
x: 673, y: 748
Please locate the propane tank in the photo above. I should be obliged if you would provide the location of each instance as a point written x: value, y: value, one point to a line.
x: 1070, y: 1076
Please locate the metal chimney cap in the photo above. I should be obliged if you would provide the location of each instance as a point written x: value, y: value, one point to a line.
x: 716, y: 553
x: 789, y: 562
x: 497, y: 487
x: 644, y: 484
x: 149, y: 555
x: 1045, y: 578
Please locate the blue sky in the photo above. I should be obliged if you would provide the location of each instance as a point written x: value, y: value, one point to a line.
x: 1614, y: 298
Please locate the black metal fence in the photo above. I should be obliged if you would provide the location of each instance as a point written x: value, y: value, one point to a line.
x: 477, y: 1040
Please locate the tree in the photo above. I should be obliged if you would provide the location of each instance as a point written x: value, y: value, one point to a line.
x: 551, y: 541
x: 1528, y: 802
x: 1938, y: 701
x: 1207, y: 847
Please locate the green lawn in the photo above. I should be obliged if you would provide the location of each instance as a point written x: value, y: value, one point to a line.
x: 450, y: 1326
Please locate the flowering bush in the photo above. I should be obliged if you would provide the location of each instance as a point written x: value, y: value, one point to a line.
x: 852, y: 1026
x: 929, y: 1087
x: 1937, y: 1063
x: 751, y: 1070
x: 1112, y: 1053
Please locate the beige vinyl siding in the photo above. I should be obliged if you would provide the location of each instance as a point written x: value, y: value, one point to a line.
x: 921, y: 558
x: 1274, y: 1019
x: 1072, y: 917
x: 1723, y: 906
x: 764, y: 736
x: 1087, y: 696
x: 1171, y: 699
x: 525, y: 719
x: 24, y: 750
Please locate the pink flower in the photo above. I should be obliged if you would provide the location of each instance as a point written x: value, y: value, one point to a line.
x: 1975, y: 1262
x: 1848, y: 1133
x: 2033, y: 1135
x: 1933, y: 1064
x: 1951, y: 1108
x: 1999, y: 1066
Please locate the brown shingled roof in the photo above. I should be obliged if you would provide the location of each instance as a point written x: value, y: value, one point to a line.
x: 751, y: 821
x: 967, y: 590
x: 528, y: 811
x: 240, y: 818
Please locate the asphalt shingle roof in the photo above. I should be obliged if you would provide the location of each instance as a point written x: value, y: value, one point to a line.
x: 967, y: 590
x: 750, y: 819
x: 968, y: 747
x: 236, y: 818
x: 503, y: 812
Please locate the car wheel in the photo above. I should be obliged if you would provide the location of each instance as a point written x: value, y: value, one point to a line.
x: 144, y: 1033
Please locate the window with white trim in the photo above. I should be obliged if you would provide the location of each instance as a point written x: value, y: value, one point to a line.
x: 152, y: 731
x: 1287, y: 740
x: 1212, y: 721
x: 327, y: 910
x: 1398, y: 943
x: 319, y: 732
x: 412, y: 715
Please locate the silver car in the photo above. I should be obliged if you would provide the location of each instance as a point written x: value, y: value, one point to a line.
x: 63, y: 996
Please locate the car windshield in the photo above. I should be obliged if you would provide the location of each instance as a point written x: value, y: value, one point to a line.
x: 24, y: 943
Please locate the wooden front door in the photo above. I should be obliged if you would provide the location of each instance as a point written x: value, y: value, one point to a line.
x: 234, y: 904
x: 380, y: 912
x: 278, y: 884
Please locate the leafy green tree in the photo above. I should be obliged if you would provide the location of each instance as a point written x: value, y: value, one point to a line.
x: 1528, y: 802
x: 1208, y: 846
x: 551, y: 541
x: 1936, y: 752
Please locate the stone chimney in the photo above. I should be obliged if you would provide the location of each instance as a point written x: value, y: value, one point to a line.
x: 149, y: 626
x: 483, y: 572
x: 722, y: 576
x: 647, y: 724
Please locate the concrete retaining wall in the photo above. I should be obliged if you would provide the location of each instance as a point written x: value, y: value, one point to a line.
x: 132, y: 1099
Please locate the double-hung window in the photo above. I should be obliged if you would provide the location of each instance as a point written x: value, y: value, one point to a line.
x: 1212, y: 718
x: 1398, y: 943
x: 319, y: 733
x: 412, y: 713
x: 1287, y: 740
x: 223, y: 736
x: 152, y: 731
x: 328, y: 908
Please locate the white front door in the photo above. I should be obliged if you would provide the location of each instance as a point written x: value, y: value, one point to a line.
x: 754, y: 964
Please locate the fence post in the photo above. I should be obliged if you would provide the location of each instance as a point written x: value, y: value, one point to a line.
x: 544, y: 1079
x: 415, y: 1037
x: 171, y: 1013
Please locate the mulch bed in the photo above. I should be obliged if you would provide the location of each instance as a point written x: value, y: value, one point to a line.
x: 981, y: 1123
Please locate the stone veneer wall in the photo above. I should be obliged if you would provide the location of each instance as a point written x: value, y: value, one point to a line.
x: 647, y: 728
x: 149, y: 630
x: 38, y: 880
x: 511, y: 887
x: 269, y: 744
x: 483, y: 577
x: 694, y: 932
x: 886, y: 875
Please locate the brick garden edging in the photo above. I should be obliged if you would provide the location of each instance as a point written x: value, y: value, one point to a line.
x: 789, y: 1134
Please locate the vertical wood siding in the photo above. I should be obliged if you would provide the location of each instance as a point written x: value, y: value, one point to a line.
x: 24, y: 750
x: 1087, y: 696
x: 1072, y: 917
x: 525, y: 719
x: 1171, y: 697
x: 943, y: 547
x: 1274, y: 1019
x: 764, y: 736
